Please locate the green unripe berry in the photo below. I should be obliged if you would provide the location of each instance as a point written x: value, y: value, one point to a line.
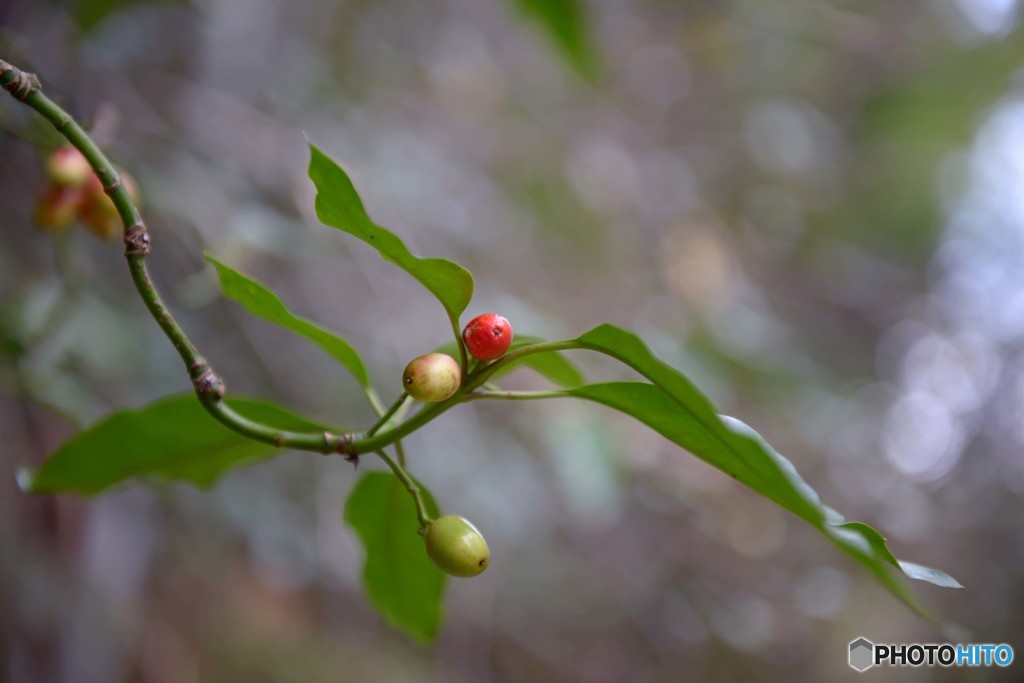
x: 456, y: 546
x: 432, y: 378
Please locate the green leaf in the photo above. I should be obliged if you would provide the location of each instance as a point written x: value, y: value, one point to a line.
x: 911, y: 569
x: 745, y: 457
x: 675, y: 408
x: 259, y: 301
x: 339, y: 206
x: 173, y: 438
x: 565, y: 23
x: 876, y: 540
x: 551, y: 364
x: 402, y: 582
x: 731, y: 451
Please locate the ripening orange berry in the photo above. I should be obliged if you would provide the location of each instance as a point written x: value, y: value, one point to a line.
x: 432, y: 378
x: 66, y: 167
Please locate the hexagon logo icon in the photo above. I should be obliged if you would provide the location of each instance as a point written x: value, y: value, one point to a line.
x: 862, y: 654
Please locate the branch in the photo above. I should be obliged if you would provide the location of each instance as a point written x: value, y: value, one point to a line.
x: 209, y: 386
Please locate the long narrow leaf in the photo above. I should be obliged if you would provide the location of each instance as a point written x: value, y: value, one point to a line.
x: 654, y: 407
x: 339, y: 206
x: 260, y: 301
x: 677, y: 409
x: 763, y: 465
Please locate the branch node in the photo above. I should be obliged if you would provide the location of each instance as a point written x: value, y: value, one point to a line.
x: 347, y: 448
x: 113, y: 186
x: 22, y: 84
x: 210, y: 384
x: 278, y: 439
x: 198, y: 367
x: 136, y: 240
x: 342, y: 444
x: 207, y: 382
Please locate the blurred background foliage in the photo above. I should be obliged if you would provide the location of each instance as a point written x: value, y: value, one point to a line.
x: 813, y: 208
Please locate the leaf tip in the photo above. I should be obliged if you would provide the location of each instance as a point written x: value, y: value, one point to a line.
x: 314, y: 151
x: 928, y: 574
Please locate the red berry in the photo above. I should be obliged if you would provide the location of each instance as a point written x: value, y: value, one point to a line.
x: 488, y: 336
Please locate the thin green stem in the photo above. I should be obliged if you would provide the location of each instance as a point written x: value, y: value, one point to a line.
x: 517, y: 395
x: 461, y: 343
x: 410, y: 485
x: 399, y: 468
x: 387, y: 437
x: 473, y: 382
x: 374, y: 398
x: 386, y: 415
x: 483, y: 374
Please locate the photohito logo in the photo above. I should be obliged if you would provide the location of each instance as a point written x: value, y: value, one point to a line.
x: 864, y: 654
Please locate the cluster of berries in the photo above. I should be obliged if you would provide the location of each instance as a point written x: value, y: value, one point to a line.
x: 453, y: 543
x: 436, y: 377
x: 74, y: 193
